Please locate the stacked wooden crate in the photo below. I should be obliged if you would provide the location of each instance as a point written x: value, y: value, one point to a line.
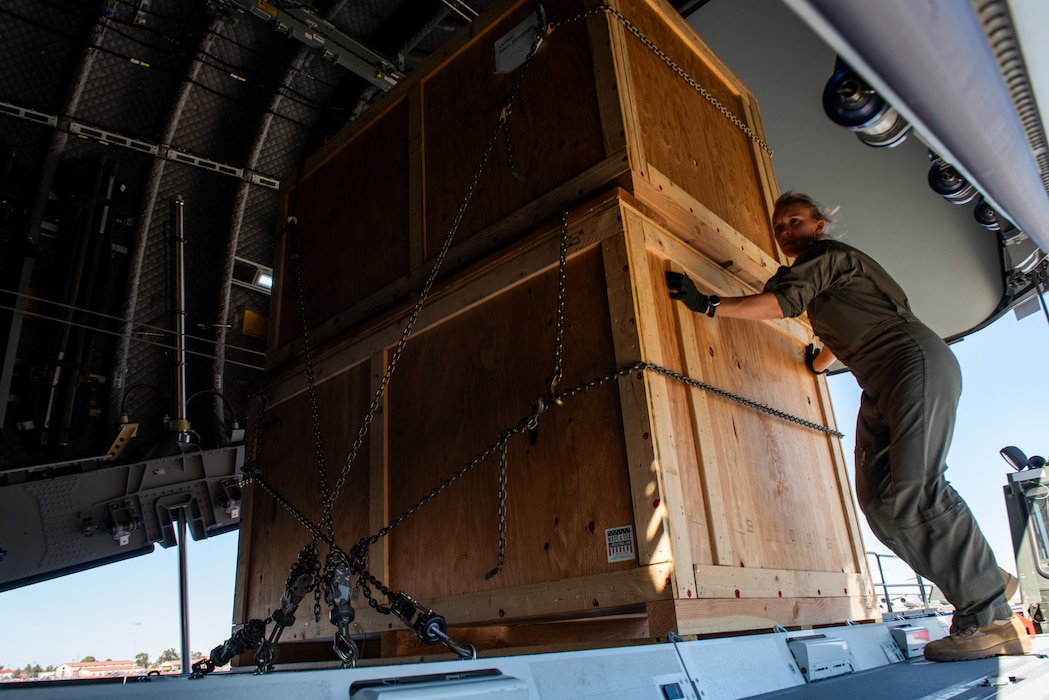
x: 638, y: 507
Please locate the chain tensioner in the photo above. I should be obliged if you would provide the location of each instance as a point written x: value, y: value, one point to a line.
x: 428, y: 626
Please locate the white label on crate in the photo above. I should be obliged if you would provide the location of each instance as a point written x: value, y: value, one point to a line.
x: 512, y: 48
x: 620, y: 541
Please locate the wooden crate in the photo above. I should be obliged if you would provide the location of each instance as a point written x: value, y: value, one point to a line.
x: 595, y: 106
x: 741, y: 521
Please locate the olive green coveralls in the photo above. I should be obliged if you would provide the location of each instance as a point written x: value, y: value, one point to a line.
x: 911, y: 383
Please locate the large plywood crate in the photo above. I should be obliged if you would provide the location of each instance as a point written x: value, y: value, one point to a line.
x: 740, y: 520
x: 612, y: 96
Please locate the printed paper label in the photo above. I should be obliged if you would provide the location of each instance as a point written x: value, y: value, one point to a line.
x: 620, y: 542
x: 512, y: 48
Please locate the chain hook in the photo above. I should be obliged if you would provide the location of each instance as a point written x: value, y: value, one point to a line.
x: 346, y: 649
x: 266, y: 657
x: 538, y: 409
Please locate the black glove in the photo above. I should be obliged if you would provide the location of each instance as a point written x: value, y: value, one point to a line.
x: 681, y: 287
x: 811, y: 353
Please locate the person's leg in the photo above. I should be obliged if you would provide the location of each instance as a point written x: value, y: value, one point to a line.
x: 934, y: 529
x: 902, y: 440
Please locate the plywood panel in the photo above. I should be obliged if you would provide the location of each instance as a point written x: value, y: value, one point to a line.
x: 554, y: 125
x: 288, y: 462
x: 481, y: 372
x: 760, y: 474
x: 771, y: 471
x: 684, y: 136
x: 353, y: 230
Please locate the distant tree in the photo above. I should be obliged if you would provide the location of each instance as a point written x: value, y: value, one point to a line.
x: 142, y: 659
x: 196, y: 655
x: 167, y: 655
x: 88, y: 659
x: 31, y: 670
x: 49, y: 668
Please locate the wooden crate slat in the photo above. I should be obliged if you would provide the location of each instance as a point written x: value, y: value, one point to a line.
x: 686, y: 137
x: 710, y: 616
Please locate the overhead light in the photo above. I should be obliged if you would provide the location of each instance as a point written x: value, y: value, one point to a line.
x: 263, y: 279
x: 252, y: 275
x: 850, y: 102
x: 949, y: 183
x: 986, y: 216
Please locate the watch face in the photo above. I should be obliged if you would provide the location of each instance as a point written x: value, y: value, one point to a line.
x: 713, y: 300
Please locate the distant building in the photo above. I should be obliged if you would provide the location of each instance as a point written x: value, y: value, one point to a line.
x: 97, y: 669
x: 7, y: 674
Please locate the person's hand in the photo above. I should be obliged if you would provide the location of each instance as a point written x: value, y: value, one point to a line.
x: 684, y: 289
x: 811, y: 353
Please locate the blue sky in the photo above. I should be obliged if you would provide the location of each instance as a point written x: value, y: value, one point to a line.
x: 118, y: 610
x: 1005, y: 384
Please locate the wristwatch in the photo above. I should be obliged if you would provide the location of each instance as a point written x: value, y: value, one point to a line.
x: 713, y: 302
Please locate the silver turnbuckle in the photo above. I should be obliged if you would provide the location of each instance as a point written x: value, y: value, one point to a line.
x: 427, y: 625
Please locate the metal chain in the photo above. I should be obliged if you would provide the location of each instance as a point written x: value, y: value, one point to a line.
x: 431, y: 278
x: 681, y: 72
x: 311, y: 384
x: 316, y: 572
x: 501, y: 559
x: 723, y: 393
x: 251, y: 465
x: 311, y: 387
x: 505, y: 119
x: 562, y: 269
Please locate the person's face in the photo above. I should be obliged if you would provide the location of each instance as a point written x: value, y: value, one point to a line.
x: 796, y: 228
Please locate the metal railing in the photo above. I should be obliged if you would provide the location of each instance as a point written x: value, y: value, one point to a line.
x: 923, y: 588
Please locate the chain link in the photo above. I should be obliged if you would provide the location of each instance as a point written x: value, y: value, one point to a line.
x: 501, y: 559
x: 681, y: 72
x: 562, y: 271
x: 311, y: 384
x: 251, y: 465
x: 311, y: 388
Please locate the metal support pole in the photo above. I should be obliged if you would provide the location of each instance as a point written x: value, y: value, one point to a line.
x: 179, y: 242
x: 183, y: 589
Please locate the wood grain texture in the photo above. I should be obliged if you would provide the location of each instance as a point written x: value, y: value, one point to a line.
x: 554, y: 126
x: 720, y: 615
x: 683, y: 135
x: 353, y: 230
x: 288, y: 462
x: 481, y: 372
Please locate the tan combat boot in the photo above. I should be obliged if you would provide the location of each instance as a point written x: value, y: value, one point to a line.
x: 999, y: 638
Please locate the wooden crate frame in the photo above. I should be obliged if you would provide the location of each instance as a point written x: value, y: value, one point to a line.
x: 698, y: 570
x: 389, y: 184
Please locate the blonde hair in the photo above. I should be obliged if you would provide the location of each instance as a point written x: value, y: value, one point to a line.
x: 819, y: 212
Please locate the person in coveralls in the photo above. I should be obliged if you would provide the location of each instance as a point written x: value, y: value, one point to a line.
x: 911, y: 383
